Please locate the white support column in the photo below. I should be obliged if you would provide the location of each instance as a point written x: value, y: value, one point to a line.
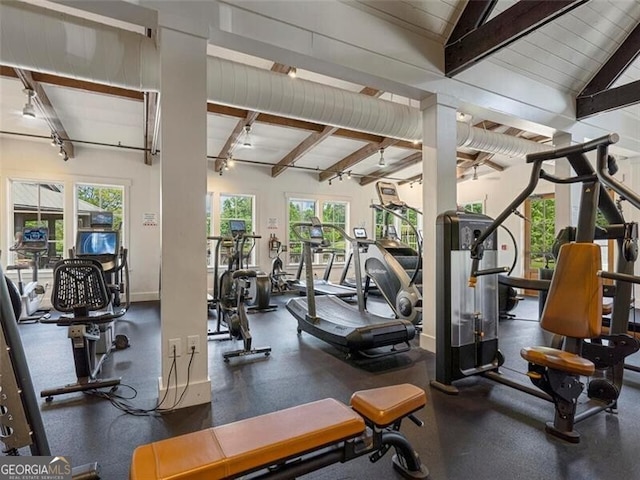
x: 565, y: 201
x: 439, y: 187
x: 183, y: 167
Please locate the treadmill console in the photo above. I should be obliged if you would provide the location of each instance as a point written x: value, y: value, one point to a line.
x: 388, y: 195
x: 316, y: 234
x: 360, y: 233
x: 33, y: 239
x: 237, y: 227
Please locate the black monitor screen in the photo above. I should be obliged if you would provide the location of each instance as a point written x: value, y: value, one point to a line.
x: 101, y: 219
x: 97, y: 243
x: 359, y: 232
x: 35, y: 236
x: 237, y: 226
x: 316, y: 232
x: 388, y: 191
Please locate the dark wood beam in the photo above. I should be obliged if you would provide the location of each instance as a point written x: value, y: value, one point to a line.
x: 488, y: 125
x: 539, y: 139
x: 302, y: 148
x: 393, y: 168
x: 151, y: 125
x: 515, y: 22
x: 475, y: 13
x: 313, y: 140
x: 616, y: 65
x: 466, y: 156
x: 42, y: 102
x: 415, y: 178
x: 356, y: 157
x: 611, y: 99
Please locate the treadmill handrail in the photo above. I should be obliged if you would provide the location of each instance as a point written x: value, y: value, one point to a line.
x: 308, y: 242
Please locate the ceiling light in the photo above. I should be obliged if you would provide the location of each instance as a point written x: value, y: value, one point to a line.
x: 330, y: 182
x: 340, y: 176
x: 293, y: 73
x: 349, y: 175
x: 381, y: 162
x: 416, y: 142
x: 463, y: 117
x: 29, y: 110
x: 246, y: 141
x: 475, y: 173
x: 230, y: 161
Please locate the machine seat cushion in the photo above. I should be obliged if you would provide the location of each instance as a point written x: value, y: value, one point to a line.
x: 574, y: 303
x: 229, y: 450
x: 385, y: 405
x: 558, y: 360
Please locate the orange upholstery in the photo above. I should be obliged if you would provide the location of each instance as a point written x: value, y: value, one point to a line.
x: 229, y: 450
x: 558, y: 360
x: 385, y: 405
x: 574, y: 302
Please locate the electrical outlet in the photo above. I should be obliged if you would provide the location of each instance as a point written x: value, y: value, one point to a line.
x: 193, y: 341
x: 174, y: 342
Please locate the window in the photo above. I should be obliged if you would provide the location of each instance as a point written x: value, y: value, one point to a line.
x: 335, y: 213
x: 378, y: 222
x: 236, y: 207
x: 408, y: 234
x: 300, y: 210
x: 39, y: 204
x: 211, y: 245
x: 473, y: 207
x: 99, y: 198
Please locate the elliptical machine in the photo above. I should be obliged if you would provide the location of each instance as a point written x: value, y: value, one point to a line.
x: 234, y: 289
x: 30, y: 243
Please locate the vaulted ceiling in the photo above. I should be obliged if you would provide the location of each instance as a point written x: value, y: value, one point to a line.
x: 565, y: 49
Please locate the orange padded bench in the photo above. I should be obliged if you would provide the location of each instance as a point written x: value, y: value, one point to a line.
x: 253, y: 444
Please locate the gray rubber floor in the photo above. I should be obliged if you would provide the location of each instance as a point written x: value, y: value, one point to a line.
x: 488, y: 431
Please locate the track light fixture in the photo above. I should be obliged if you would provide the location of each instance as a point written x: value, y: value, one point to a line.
x: 230, y: 161
x: 330, y: 181
x: 29, y: 110
x: 381, y: 162
x: 340, y: 176
x: 293, y: 73
x: 246, y: 141
x: 349, y: 175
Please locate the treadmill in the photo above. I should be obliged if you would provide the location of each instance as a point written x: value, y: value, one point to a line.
x: 322, y: 286
x: 348, y: 327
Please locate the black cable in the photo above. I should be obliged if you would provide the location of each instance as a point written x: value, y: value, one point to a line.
x: 121, y: 402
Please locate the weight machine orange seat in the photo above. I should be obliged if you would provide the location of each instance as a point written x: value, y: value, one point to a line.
x: 248, y: 445
x: 573, y: 308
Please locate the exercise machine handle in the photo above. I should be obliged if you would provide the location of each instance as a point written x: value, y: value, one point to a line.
x: 623, y: 277
x: 573, y: 149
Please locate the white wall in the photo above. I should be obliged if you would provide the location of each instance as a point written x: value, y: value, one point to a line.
x: 37, y: 160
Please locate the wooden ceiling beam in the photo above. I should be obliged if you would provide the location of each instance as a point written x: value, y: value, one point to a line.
x: 42, y: 102
x: 615, y: 66
x: 515, y: 22
x: 598, y: 96
x: 313, y: 140
x: 242, y: 124
x: 475, y: 13
x: 407, y: 161
x: 607, y: 100
x: 415, y: 178
x: 356, y: 157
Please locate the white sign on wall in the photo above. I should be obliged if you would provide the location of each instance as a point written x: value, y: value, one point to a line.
x: 150, y: 219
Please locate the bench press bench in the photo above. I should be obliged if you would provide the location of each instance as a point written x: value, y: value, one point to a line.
x: 291, y: 442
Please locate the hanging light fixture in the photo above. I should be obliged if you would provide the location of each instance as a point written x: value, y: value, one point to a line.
x: 475, y: 173
x: 230, y: 161
x: 349, y: 175
x: 29, y: 110
x: 381, y: 162
x: 246, y: 141
x: 293, y: 73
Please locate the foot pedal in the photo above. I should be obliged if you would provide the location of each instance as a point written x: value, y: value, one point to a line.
x: 602, y: 389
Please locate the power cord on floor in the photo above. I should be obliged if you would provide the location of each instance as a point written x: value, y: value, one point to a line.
x: 122, y: 403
